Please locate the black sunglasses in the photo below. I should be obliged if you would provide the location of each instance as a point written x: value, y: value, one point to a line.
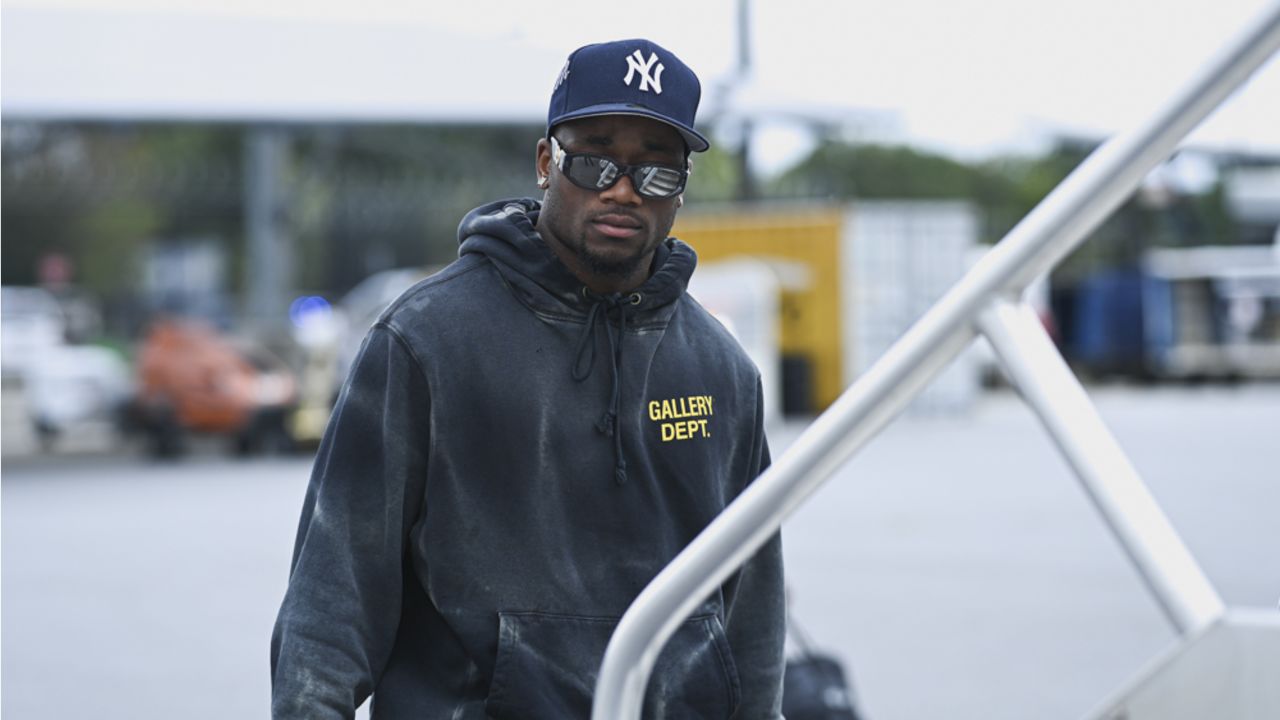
x: 597, y: 172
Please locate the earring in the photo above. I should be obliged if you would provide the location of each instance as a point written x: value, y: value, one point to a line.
x: 543, y: 181
x: 680, y: 201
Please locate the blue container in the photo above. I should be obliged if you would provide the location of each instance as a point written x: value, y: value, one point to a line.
x: 1109, y: 329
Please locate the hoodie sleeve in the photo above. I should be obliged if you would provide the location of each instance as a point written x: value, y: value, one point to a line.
x: 338, y: 622
x: 755, y: 609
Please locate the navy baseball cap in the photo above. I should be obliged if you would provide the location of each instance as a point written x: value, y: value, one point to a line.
x: 628, y: 77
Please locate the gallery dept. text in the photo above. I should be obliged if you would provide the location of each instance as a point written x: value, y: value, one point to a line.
x: 682, y: 418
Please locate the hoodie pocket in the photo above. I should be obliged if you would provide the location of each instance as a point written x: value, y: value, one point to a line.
x: 547, y: 666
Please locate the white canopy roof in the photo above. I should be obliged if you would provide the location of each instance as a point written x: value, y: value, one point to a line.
x: 961, y: 74
x: 83, y: 63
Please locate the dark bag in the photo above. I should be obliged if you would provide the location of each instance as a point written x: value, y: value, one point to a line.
x: 814, y: 686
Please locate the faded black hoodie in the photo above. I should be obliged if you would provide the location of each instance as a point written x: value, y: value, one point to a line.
x: 510, y: 462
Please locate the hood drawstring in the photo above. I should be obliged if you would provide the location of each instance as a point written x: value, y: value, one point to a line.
x: 608, y: 423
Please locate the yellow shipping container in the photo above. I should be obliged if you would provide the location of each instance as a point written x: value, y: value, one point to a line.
x: 805, y: 244
x: 853, y: 278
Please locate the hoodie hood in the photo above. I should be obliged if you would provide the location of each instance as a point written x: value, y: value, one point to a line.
x: 504, y: 232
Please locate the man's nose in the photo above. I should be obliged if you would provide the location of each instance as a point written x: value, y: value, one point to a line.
x: 623, y: 192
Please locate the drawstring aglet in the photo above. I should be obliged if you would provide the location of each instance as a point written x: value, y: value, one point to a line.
x: 605, y: 424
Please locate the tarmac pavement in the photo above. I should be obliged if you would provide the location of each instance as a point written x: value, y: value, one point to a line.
x: 955, y: 565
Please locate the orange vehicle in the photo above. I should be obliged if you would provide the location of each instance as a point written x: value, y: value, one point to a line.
x: 193, y: 379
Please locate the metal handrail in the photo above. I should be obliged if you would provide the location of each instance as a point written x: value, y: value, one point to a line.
x: 1047, y: 234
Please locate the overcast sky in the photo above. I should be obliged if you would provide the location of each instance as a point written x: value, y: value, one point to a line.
x: 968, y: 76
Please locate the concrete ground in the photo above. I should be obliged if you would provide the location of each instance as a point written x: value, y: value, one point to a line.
x: 955, y: 565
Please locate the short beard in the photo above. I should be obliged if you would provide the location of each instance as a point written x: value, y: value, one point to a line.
x: 603, y: 267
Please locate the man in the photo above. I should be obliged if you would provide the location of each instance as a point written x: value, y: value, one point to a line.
x: 528, y: 437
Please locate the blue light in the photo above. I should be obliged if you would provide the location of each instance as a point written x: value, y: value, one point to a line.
x: 308, y: 307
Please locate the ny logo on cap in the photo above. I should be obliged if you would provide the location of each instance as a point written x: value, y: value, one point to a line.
x: 637, y: 63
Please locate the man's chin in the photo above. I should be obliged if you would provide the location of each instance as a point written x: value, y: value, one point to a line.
x: 609, y: 261
x: 611, y: 267
x: 610, y: 258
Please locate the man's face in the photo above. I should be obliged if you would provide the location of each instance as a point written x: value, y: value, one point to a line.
x: 607, y: 237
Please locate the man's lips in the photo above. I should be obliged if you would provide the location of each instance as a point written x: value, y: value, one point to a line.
x: 617, y: 226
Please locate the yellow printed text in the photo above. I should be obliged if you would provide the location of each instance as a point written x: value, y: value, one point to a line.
x: 682, y: 418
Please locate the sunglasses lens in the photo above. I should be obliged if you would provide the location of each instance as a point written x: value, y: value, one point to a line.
x: 656, y: 181
x: 590, y: 172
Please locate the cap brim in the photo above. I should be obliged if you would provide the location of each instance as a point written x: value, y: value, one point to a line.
x: 692, y: 138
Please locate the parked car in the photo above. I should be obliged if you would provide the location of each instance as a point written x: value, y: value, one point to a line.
x: 58, y: 388
x: 193, y: 379
x: 73, y: 385
x: 32, y: 323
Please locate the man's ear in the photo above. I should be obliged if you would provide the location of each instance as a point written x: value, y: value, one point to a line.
x: 542, y: 163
